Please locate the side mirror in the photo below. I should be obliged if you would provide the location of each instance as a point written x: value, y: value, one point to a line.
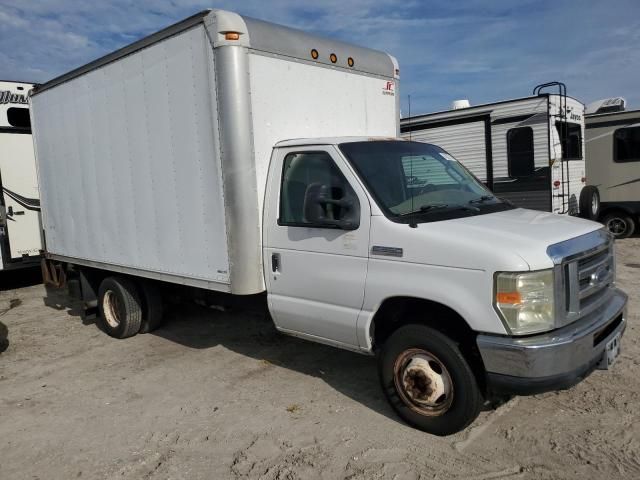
x: 317, y: 199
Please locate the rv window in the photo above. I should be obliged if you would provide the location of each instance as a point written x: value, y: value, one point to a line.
x: 570, y: 139
x: 18, y: 117
x: 305, y: 170
x: 626, y: 145
x: 520, y: 157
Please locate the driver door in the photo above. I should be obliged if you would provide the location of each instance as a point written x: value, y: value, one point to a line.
x: 315, y: 245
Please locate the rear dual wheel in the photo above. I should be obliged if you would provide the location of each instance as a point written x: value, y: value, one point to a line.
x: 427, y: 380
x: 126, y: 308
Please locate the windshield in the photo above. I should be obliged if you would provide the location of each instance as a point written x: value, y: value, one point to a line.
x: 410, y: 179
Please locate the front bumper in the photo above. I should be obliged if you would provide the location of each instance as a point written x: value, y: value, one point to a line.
x: 554, y: 360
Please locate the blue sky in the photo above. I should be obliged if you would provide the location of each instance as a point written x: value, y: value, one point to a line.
x: 481, y: 50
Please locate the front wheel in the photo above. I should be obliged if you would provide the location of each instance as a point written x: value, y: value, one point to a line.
x: 427, y: 380
x: 619, y: 224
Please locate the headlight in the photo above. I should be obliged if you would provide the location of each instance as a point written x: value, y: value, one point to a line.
x: 525, y: 301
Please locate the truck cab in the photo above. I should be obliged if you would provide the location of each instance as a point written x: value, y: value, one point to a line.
x: 392, y: 247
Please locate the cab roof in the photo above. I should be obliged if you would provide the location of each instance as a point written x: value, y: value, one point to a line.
x: 298, y: 142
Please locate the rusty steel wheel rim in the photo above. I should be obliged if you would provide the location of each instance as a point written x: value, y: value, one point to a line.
x: 111, y: 307
x: 423, y: 382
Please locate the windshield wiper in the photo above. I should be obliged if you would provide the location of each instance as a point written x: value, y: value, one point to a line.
x: 435, y: 207
x: 482, y: 199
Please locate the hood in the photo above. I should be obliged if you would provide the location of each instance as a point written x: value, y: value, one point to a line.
x: 511, y: 240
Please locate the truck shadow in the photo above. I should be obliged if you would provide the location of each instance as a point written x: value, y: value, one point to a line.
x: 253, y: 334
x: 27, y: 277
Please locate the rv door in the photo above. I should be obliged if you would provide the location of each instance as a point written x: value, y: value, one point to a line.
x: 20, y: 200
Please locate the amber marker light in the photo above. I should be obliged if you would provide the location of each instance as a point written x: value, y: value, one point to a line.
x: 232, y: 36
x: 351, y: 62
x: 333, y: 57
x: 314, y: 54
x: 512, y: 298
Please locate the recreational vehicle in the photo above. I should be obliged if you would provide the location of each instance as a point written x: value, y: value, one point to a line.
x: 613, y: 166
x: 20, y: 230
x: 527, y: 150
x: 219, y: 192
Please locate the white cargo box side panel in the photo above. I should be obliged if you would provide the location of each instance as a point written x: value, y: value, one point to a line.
x: 129, y: 167
x: 292, y: 99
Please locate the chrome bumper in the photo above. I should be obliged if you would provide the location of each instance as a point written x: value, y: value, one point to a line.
x: 554, y: 360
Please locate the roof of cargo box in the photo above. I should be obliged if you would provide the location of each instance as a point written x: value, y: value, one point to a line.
x: 257, y: 35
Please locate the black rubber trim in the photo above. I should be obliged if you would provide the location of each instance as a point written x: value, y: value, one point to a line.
x: 507, y: 385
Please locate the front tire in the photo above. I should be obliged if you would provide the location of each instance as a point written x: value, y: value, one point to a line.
x: 619, y: 224
x: 427, y: 380
x: 120, y: 307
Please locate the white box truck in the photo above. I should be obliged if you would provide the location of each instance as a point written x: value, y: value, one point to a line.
x: 183, y: 162
x: 20, y: 230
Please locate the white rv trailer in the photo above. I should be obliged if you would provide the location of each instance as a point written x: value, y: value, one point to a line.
x: 169, y: 169
x: 20, y: 230
x: 527, y: 150
x: 613, y: 166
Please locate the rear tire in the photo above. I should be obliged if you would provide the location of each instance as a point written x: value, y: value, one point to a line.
x: 120, y: 307
x: 620, y: 224
x: 589, y: 203
x: 427, y: 380
x: 153, y: 308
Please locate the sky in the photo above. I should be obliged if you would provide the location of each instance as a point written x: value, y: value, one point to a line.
x: 483, y: 51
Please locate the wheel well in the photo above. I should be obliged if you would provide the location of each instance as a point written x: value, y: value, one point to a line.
x: 616, y: 209
x: 396, y: 312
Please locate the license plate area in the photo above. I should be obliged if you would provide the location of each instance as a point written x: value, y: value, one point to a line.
x: 611, y: 352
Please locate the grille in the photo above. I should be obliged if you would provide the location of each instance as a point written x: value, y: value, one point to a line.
x: 587, y: 281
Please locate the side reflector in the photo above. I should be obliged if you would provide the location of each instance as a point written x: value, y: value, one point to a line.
x: 314, y: 54
x: 351, y: 62
x: 512, y: 298
x: 333, y: 57
x: 232, y: 36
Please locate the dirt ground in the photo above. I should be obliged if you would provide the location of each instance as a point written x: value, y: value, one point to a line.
x: 217, y: 395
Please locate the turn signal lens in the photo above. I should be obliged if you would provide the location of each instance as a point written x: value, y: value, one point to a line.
x: 351, y: 62
x: 512, y: 298
x: 333, y: 57
x: 314, y: 54
x: 232, y: 36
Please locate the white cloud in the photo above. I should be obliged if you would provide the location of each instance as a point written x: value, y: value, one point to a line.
x: 481, y: 50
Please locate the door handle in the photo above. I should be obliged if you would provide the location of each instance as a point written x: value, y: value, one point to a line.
x: 275, y: 262
x: 11, y: 213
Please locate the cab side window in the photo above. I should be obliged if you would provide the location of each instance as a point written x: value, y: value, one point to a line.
x: 314, y: 193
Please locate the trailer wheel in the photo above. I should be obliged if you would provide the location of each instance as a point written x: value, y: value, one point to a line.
x: 120, y: 307
x: 619, y: 224
x: 589, y: 204
x: 152, y: 307
x: 427, y: 380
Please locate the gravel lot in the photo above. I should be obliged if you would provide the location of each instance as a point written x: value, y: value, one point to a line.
x: 219, y: 395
